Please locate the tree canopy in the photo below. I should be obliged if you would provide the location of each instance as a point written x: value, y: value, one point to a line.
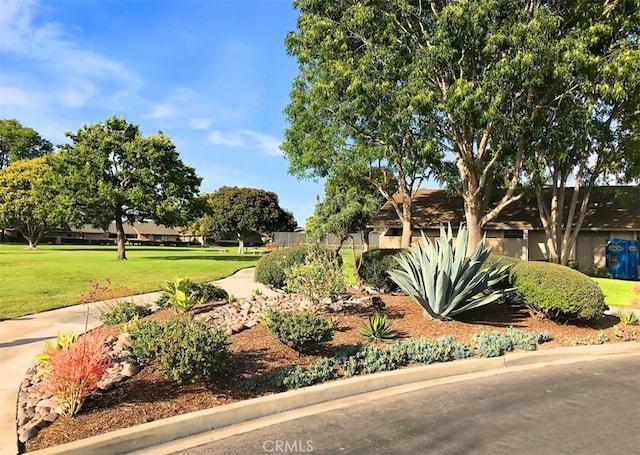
x: 25, y: 199
x: 110, y: 172
x: 461, y: 89
x: 246, y: 211
x: 18, y: 142
x: 355, y: 107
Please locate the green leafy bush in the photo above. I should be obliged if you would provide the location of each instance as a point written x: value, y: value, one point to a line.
x: 123, y: 311
x: 597, y: 272
x: 204, y: 291
x: 182, y: 349
x: 376, y: 264
x: 298, y: 329
x: 271, y: 267
x: 180, y: 297
x: 296, y: 377
x: 319, y: 277
x: 557, y: 292
x: 378, y: 328
x: 443, y: 279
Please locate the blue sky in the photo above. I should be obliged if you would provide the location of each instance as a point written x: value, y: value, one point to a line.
x: 211, y: 74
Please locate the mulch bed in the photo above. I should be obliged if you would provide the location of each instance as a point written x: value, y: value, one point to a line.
x: 147, y: 396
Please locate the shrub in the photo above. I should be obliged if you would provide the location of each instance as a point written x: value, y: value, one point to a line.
x: 443, y: 279
x: 298, y: 329
x: 296, y: 377
x: 378, y: 328
x: 371, y: 359
x: 597, y: 272
x: 493, y: 344
x: 271, y: 267
x: 179, y: 295
x: 375, y: 266
x: 73, y: 374
x: 204, y: 291
x: 123, y: 311
x: 182, y: 349
x: 319, y: 277
x: 557, y: 292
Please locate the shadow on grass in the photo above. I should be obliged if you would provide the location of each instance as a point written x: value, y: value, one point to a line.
x: 238, y: 258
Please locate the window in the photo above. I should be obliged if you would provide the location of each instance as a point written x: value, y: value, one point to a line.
x: 514, y: 234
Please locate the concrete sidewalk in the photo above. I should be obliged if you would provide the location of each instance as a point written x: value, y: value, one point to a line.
x: 22, y: 338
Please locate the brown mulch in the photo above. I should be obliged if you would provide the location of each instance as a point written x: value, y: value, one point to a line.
x: 148, y: 396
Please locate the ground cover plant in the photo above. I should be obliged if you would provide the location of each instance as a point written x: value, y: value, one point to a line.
x: 259, y: 364
x: 54, y: 276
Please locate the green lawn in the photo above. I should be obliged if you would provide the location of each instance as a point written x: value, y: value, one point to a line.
x: 54, y: 276
x: 616, y: 292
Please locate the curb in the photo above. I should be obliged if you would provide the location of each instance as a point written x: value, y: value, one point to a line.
x: 152, y: 434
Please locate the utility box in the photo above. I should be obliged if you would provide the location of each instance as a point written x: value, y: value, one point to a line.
x: 622, y: 258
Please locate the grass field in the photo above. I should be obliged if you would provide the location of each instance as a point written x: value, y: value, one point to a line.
x: 54, y: 276
x: 616, y: 292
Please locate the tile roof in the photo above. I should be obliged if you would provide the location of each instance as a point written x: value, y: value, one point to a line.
x: 610, y: 207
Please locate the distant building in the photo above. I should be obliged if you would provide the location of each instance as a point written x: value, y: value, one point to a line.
x: 614, y: 212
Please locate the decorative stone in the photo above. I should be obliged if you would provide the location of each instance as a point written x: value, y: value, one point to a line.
x: 28, y: 433
x: 130, y: 369
x: 51, y: 417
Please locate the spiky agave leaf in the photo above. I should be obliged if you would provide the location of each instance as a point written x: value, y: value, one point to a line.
x: 442, y: 279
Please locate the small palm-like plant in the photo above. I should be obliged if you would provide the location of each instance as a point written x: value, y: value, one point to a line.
x: 443, y: 280
x: 628, y: 318
x: 378, y: 328
x: 179, y: 296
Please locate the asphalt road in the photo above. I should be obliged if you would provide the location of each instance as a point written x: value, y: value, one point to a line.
x: 581, y: 408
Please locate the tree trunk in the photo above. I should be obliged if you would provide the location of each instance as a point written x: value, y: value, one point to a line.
x: 472, y: 217
x: 121, y: 240
x: 407, y: 228
x: 356, y: 266
x: 240, y: 243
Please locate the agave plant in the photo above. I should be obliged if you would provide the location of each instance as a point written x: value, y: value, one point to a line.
x: 443, y: 280
x: 378, y: 329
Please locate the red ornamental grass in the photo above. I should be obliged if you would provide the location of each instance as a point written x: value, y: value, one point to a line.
x: 74, y: 374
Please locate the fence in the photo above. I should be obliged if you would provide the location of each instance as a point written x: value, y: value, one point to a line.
x: 288, y: 239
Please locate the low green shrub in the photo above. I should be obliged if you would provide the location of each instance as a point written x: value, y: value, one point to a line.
x: 602, y: 338
x: 319, y: 277
x: 494, y: 344
x: 597, y: 272
x: 375, y: 266
x: 182, y: 349
x: 558, y: 292
x: 299, y: 330
x: 271, y: 268
x: 371, y: 359
x: 123, y: 311
x: 295, y: 377
x: 203, y: 291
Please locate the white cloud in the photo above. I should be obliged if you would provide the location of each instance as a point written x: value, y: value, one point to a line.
x: 267, y: 145
x: 200, y: 123
x: 62, y: 72
x: 15, y: 96
x: 162, y: 111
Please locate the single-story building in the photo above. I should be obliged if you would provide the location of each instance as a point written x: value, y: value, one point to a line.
x: 138, y: 232
x: 613, y: 212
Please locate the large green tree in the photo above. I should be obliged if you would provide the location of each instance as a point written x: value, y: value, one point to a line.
x: 471, y: 82
x: 111, y: 172
x: 246, y: 211
x: 25, y: 199
x: 591, y: 135
x: 355, y: 107
x: 18, y: 142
